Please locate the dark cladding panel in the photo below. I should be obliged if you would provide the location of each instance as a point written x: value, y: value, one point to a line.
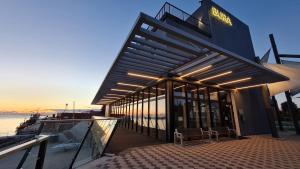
x: 234, y: 37
x: 251, y: 112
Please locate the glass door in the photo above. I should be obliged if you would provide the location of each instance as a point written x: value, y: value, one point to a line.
x: 214, y: 108
x: 179, y: 105
x: 226, y: 109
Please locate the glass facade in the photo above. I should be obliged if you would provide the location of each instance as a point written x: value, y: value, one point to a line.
x: 215, y: 108
x: 152, y: 118
x: 204, y: 107
x: 161, y: 110
x: 179, y: 105
x: 144, y: 111
x: 197, y: 106
x: 139, y: 112
x: 131, y: 108
x: 135, y: 112
x: 192, y: 106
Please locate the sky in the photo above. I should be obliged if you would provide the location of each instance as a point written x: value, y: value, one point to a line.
x: 54, y: 52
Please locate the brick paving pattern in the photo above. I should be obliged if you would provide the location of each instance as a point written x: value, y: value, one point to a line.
x: 253, y: 153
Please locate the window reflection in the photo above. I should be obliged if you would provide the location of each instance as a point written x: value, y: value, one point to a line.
x: 131, y: 112
x: 161, y: 110
x: 128, y: 112
x: 140, y: 102
x: 101, y: 131
x: 192, y: 106
x: 179, y: 106
x: 215, y: 109
x: 152, y: 112
x: 204, y: 109
x: 145, y: 109
x: 135, y: 108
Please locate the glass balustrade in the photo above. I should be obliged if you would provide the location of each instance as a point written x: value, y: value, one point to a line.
x: 61, y: 143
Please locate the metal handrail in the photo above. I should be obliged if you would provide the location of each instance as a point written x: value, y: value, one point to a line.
x: 76, y: 120
x: 23, y: 146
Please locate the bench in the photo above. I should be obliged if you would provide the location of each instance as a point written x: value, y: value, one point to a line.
x: 221, y: 131
x: 189, y: 133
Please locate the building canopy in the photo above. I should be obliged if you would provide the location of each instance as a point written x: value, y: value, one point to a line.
x: 156, y: 50
x: 291, y: 70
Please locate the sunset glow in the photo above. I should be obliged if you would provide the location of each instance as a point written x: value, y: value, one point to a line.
x: 57, y: 52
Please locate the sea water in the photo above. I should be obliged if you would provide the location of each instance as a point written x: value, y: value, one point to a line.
x: 9, y: 122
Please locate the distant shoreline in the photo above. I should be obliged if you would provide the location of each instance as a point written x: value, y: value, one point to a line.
x: 26, y: 114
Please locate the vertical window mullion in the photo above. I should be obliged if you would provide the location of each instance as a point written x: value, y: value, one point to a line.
x: 129, y: 116
x: 156, y: 112
x: 231, y: 112
x: 148, y: 125
x: 132, y: 115
x: 125, y: 112
x: 209, y: 107
x: 142, y: 118
x: 166, y: 116
x: 186, y: 107
x: 115, y: 107
x: 118, y: 108
x: 221, y: 110
x: 199, y: 107
x: 137, y: 112
x: 121, y: 112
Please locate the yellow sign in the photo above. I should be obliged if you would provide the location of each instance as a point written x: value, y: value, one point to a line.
x: 220, y: 16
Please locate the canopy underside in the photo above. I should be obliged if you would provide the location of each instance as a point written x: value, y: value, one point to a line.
x: 160, y: 50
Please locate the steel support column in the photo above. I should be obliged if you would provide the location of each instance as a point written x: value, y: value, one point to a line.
x: 170, y: 113
x: 268, y: 109
x: 137, y: 112
x: 221, y: 109
x: 41, y: 155
x: 187, y: 115
x: 287, y: 93
x: 275, y: 104
x: 199, y: 108
x: 209, y: 108
x: 132, y: 115
x: 142, y: 118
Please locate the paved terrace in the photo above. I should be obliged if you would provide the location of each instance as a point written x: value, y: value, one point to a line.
x: 254, y: 152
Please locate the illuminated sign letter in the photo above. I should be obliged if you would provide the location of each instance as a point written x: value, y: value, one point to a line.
x: 220, y: 16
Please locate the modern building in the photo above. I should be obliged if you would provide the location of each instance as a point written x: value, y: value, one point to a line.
x: 189, y: 70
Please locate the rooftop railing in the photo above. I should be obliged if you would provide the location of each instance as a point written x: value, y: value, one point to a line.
x: 168, y: 8
x: 61, y: 144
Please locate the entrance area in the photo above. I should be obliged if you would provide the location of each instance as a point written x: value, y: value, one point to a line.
x: 196, y: 106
